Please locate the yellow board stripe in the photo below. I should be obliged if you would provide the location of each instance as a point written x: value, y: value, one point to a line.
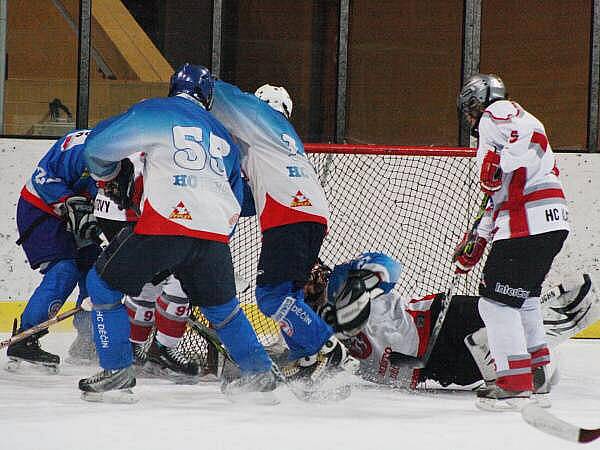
x: 10, y: 310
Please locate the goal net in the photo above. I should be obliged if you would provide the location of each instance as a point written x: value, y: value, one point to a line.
x: 412, y: 203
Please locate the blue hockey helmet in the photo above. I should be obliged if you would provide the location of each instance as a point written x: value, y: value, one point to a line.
x: 193, y: 80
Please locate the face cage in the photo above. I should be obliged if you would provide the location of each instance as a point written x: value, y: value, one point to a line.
x: 315, y: 289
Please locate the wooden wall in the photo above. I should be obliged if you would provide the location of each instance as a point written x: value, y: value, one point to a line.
x: 404, y: 61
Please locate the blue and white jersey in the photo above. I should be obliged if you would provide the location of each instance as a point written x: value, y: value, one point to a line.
x: 60, y: 174
x: 284, y: 183
x: 192, y: 183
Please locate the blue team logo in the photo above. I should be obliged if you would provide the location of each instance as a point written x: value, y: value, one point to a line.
x: 185, y: 180
x: 296, y: 172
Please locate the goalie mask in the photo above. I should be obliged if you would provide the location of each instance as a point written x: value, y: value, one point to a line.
x: 277, y: 98
x: 195, y: 81
x: 478, y: 92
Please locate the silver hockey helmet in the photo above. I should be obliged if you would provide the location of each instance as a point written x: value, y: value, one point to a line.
x: 478, y: 92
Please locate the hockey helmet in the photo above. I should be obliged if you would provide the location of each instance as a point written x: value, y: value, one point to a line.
x: 277, y: 97
x: 195, y: 81
x: 478, y: 92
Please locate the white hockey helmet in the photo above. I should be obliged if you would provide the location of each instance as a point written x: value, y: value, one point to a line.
x: 277, y: 97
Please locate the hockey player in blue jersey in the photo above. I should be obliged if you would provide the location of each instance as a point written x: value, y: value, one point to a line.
x: 192, y: 196
x: 293, y: 214
x: 58, y: 233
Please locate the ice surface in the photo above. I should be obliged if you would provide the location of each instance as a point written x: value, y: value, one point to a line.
x: 44, y: 412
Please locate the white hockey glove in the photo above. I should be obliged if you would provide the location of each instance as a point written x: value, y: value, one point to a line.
x: 79, y: 214
x: 351, y: 308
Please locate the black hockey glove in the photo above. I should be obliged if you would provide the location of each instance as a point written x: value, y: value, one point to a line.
x: 350, y: 310
x: 120, y: 188
x: 79, y: 215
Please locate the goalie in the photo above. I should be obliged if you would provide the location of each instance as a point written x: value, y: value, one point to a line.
x: 383, y: 331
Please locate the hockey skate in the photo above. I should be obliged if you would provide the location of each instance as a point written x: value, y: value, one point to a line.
x: 140, y: 356
x: 323, y: 376
x: 82, y: 351
x: 542, y: 384
x: 256, y: 388
x: 111, y: 386
x: 495, y: 398
x: 29, y: 350
x: 166, y: 362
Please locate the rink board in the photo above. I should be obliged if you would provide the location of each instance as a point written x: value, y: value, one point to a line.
x: 10, y: 310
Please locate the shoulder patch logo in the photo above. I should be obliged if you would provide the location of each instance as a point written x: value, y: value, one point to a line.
x: 180, y: 212
x: 300, y: 200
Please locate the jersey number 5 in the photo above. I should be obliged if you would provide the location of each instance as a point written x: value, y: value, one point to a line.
x: 194, y: 151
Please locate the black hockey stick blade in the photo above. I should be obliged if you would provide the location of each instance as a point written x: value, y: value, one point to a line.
x: 547, y: 422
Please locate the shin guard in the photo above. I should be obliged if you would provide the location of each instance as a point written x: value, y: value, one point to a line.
x: 109, y: 323
x: 238, y: 336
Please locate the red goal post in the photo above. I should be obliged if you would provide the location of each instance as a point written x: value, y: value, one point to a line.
x: 411, y: 202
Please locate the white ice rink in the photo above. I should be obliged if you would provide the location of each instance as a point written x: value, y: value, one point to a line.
x: 44, y: 412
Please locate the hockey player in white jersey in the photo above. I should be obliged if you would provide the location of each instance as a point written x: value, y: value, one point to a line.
x: 293, y: 214
x: 191, y: 203
x: 527, y: 222
x: 384, y: 330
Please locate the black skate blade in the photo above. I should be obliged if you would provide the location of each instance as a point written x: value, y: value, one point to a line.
x: 14, y: 364
x: 121, y: 396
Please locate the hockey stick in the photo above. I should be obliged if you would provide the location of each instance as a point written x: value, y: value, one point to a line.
x: 39, y: 327
x: 422, y: 362
x: 547, y: 422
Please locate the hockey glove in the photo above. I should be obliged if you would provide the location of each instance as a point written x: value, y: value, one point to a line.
x: 490, y: 178
x: 79, y: 214
x: 468, y: 252
x: 120, y: 188
x: 351, y: 308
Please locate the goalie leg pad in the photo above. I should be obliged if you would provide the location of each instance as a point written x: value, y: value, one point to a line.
x: 171, y: 319
x: 478, y: 346
x: 59, y: 281
x: 303, y: 330
x: 238, y: 336
x: 110, y: 324
x: 571, y: 312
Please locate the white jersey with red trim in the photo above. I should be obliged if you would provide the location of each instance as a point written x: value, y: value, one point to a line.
x: 394, y: 325
x: 105, y: 208
x: 284, y: 184
x: 531, y: 199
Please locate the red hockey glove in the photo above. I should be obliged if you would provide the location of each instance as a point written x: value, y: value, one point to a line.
x: 468, y: 252
x: 490, y: 177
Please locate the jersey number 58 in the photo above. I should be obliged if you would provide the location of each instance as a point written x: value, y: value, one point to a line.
x: 194, y: 151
